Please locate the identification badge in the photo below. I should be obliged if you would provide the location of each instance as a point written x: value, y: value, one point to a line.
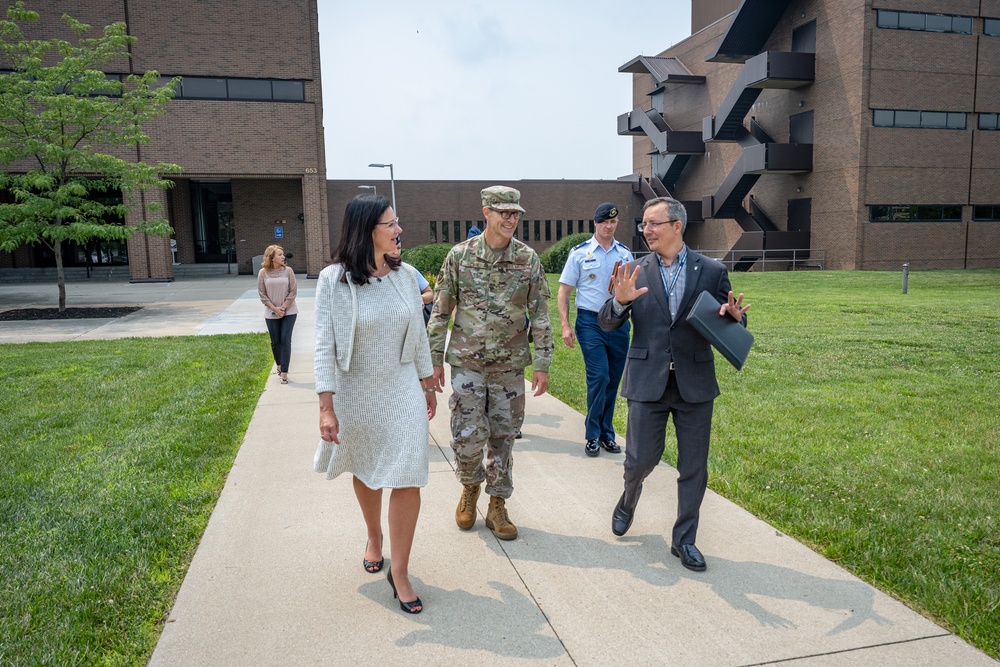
x: 591, y: 263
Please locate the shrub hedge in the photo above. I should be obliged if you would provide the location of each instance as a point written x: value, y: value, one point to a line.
x: 427, y: 258
x: 554, y: 258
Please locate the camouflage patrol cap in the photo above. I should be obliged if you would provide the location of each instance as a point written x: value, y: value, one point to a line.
x: 502, y: 198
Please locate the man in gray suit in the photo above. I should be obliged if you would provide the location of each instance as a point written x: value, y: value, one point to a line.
x: 670, y: 367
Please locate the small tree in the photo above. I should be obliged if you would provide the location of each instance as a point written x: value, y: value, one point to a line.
x: 60, y: 117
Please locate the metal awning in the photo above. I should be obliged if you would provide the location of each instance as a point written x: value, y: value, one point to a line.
x: 752, y: 25
x: 664, y: 70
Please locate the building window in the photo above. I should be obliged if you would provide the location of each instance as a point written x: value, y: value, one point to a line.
x: 458, y: 230
x: 201, y: 87
x: 218, y: 88
x: 988, y: 212
x: 926, y: 22
x: 992, y: 27
x: 558, y: 229
x: 434, y: 231
x: 524, y: 235
x: 950, y: 120
x: 914, y: 213
x: 538, y: 234
x: 249, y: 89
x: 288, y: 91
x: 548, y: 230
x: 989, y: 121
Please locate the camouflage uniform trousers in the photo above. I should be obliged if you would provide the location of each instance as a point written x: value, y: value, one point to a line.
x: 487, y: 410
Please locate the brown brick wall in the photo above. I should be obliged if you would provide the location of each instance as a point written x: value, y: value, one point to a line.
x: 983, y: 241
x: 927, y: 245
x: 267, y: 149
x: 95, y: 13
x: 705, y: 12
x: 149, y: 257
x: 227, y: 137
x: 985, y: 168
x: 261, y: 205
x: 988, y: 87
x: 420, y: 202
x: 180, y: 220
x: 929, y: 71
x: 835, y: 99
x: 917, y: 166
x: 858, y: 67
x: 245, y: 38
x: 956, y: 7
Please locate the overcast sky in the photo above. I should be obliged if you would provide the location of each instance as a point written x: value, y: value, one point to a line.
x: 502, y: 90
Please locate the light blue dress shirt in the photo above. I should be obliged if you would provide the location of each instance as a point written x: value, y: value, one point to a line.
x: 588, y: 268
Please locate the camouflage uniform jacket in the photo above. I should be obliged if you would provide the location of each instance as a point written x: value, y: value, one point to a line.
x: 492, y: 296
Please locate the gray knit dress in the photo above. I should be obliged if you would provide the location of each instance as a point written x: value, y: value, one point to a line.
x: 371, y: 350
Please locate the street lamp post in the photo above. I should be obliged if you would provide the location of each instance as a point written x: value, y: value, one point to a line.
x: 392, y: 183
x: 373, y: 188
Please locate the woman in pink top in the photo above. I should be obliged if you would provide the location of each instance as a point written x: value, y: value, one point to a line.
x: 277, y: 289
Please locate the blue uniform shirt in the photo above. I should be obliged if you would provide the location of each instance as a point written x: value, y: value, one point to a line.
x: 588, y: 269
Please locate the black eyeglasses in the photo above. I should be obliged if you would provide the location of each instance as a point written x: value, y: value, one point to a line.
x: 507, y: 215
x: 391, y: 223
x: 653, y: 226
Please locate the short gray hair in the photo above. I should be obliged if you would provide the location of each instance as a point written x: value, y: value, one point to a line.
x: 675, y: 209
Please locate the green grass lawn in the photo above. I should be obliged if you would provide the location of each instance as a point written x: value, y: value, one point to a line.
x: 866, y: 424
x: 112, y: 456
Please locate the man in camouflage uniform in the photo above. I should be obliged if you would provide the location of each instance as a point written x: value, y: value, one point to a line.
x: 492, y: 282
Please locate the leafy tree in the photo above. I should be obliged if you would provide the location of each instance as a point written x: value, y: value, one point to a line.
x: 61, y: 117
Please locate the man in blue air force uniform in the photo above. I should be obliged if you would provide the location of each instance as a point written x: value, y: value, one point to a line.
x: 588, y: 269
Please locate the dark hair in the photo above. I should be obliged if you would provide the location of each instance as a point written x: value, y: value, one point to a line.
x: 355, y: 249
x: 675, y: 209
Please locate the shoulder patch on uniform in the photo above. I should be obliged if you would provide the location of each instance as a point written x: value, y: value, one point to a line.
x: 577, y: 247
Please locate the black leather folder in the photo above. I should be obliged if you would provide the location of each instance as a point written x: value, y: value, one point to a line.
x: 724, y: 333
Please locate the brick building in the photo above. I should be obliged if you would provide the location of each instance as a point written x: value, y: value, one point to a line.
x: 443, y: 211
x: 854, y: 134
x: 246, y: 126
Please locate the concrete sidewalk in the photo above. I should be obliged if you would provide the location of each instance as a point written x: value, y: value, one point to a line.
x: 277, y: 578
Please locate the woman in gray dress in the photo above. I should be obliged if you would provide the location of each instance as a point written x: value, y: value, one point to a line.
x: 375, y: 384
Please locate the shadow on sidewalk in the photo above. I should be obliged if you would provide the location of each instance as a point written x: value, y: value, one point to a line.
x: 738, y: 583
x: 452, y: 622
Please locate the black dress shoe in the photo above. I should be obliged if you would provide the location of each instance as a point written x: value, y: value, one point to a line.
x: 592, y: 448
x: 611, y: 446
x: 690, y: 557
x: 621, y: 518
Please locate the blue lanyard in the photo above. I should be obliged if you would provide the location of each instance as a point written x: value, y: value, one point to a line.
x: 677, y: 275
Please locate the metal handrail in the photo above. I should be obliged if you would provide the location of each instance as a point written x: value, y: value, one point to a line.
x: 802, y: 257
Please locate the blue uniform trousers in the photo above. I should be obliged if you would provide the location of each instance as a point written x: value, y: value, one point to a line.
x: 604, y: 356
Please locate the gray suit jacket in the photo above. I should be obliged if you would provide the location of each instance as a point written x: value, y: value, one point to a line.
x: 657, y: 340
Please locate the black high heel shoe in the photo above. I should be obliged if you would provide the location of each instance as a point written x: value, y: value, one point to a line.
x: 414, y: 607
x: 373, y: 566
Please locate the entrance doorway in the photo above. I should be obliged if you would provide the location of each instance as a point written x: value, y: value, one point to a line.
x: 212, y: 220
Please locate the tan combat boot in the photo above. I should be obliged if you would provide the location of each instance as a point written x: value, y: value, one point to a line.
x: 498, y: 521
x: 465, y: 513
